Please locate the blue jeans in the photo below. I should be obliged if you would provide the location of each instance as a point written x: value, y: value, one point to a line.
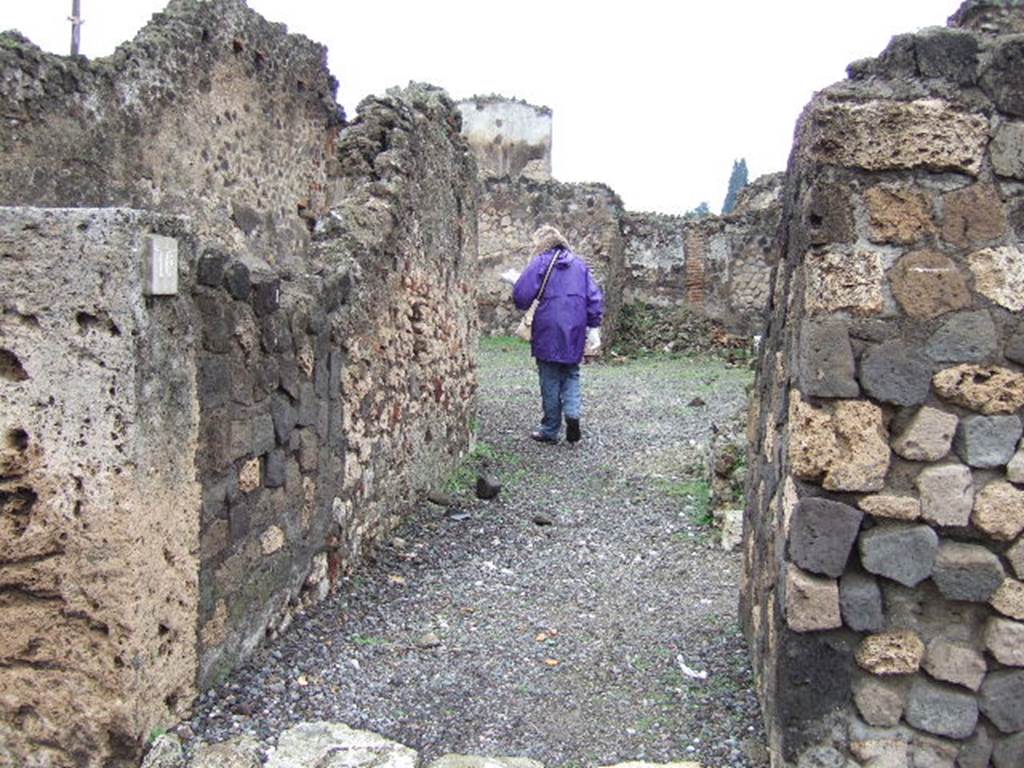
x: 559, y: 394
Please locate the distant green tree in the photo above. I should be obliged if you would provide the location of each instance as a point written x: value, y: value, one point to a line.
x: 737, y: 181
x: 700, y: 210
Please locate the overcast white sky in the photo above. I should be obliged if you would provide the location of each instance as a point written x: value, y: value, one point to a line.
x: 654, y: 98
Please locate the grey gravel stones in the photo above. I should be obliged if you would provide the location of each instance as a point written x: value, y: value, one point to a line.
x: 964, y: 337
x: 941, y: 710
x: 895, y: 372
x: 903, y: 553
x: 947, y: 494
x: 822, y: 534
x: 1002, y: 700
x: 860, y: 602
x: 967, y: 572
x: 826, y: 360
x: 987, y: 441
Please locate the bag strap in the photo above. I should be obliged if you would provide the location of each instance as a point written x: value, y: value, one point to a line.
x: 547, y: 276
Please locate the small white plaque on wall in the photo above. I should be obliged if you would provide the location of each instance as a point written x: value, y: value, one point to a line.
x: 160, y: 264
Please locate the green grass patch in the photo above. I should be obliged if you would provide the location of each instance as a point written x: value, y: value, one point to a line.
x: 367, y: 640
x: 696, y: 494
x: 503, y: 344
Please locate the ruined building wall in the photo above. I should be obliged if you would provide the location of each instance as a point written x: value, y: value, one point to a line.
x: 98, y: 524
x: 883, y: 593
x: 229, y: 450
x: 717, y: 265
x: 588, y: 215
x: 509, y: 138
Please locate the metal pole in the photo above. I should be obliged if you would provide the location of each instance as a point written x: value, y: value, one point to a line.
x: 76, y: 25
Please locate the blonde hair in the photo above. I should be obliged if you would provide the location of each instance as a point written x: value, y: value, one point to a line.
x: 546, y: 238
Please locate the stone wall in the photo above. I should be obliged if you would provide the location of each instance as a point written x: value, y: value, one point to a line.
x: 883, y: 593
x: 99, y: 528
x: 589, y: 215
x: 236, y: 446
x: 510, y: 138
x: 717, y: 265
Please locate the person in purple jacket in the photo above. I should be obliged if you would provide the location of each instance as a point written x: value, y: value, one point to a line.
x: 570, y: 311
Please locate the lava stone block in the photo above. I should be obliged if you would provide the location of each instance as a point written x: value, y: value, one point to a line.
x: 987, y: 441
x: 1002, y: 700
x: 967, y: 572
x: 895, y: 372
x: 903, y: 553
x: 827, y: 368
x: 941, y: 710
x: 965, y: 337
x: 860, y: 602
x: 821, y: 535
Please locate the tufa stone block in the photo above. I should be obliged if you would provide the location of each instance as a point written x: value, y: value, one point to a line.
x: 895, y: 372
x: 822, y: 532
x: 860, y: 603
x: 812, y: 602
x: 903, y: 553
x: 967, y: 572
x: 271, y: 540
x: 1002, y: 700
x: 1004, y: 639
x: 941, y: 710
x: 947, y: 494
x: 964, y: 337
x: 928, y: 436
x: 237, y: 280
x: 899, y: 215
x: 999, y: 510
x: 879, y: 700
x: 891, y: 653
x: 928, y: 284
x: 988, y: 390
x: 1007, y: 149
x: 210, y: 269
x: 1009, y: 599
x: 891, y: 135
x: 973, y: 216
x: 999, y: 275
x: 826, y: 363
x: 891, y: 507
x: 955, y: 663
x: 987, y: 441
x: 844, y: 281
x: 844, y: 445
x: 249, y: 476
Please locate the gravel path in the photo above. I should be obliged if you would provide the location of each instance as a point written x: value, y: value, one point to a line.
x: 562, y: 621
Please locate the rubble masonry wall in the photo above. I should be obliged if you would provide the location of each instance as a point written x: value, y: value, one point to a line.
x: 883, y: 593
x: 214, y: 460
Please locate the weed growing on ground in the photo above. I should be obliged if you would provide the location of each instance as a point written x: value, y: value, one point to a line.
x: 696, y: 494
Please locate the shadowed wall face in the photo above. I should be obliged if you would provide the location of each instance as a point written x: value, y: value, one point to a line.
x: 883, y: 592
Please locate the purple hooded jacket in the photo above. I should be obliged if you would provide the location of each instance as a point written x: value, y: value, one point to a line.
x: 572, y: 302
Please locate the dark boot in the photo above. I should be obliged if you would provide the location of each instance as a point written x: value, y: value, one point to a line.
x: 572, y: 430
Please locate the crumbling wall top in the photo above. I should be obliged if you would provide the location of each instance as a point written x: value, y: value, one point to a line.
x: 991, y: 16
